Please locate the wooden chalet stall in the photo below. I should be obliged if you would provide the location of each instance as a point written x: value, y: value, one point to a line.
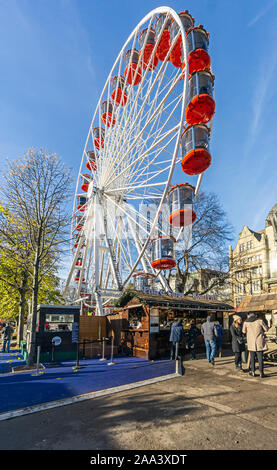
x: 142, y: 322
x: 265, y: 307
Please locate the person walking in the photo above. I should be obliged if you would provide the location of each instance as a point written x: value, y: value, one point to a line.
x: 209, y: 331
x: 191, y: 335
x: 238, y: 341
x: 7, y: 332
x: 176, y: 336
x: 255, y: 329
x: 220, y: 333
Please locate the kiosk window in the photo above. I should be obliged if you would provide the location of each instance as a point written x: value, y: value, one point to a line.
x: 58, y: 322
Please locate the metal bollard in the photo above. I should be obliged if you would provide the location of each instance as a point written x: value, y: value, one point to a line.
x: 111, y: 361
x: 103, y: 358
x: 179, y: 369
x: 53, y: 348
x: 77, y: 366
x: 38, y: 358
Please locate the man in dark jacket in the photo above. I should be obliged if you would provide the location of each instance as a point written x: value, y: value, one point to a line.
x: 176, y: 335
x: 209, y: 331
x: 7, y: 333
x: 191, y: 336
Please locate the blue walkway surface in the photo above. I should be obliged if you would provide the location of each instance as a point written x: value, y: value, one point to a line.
x: 10, y: 360
x: 22, y: 389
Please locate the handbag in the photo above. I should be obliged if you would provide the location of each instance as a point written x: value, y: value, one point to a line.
x: 244, y: 356
x: 240, y: 340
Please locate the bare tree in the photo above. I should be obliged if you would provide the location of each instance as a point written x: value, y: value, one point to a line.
x: 205, y: 246
x: 37, y: 189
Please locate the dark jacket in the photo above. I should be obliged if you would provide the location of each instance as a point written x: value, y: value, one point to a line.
x: 7, y: 332
x: 238, y: 338
x: 209, y: 330
x: 220, y: 331
x: 191, y: 335
x: 176, y: 332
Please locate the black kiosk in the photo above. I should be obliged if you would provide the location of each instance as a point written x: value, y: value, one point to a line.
x: 57, y: 332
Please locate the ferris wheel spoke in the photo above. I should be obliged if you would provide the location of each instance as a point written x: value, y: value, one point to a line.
x: 155, y: 117
x: 145, y: 153
x: 153, y: 144
x: 131, y: 111
x: 147, y: 123
x: 118, y: 234
x: 121, y: 208
x: 151, y: 161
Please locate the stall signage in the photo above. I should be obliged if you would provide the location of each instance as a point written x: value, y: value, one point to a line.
x: 162, y: 292
x: 75, y: 332
x: 56, y: 341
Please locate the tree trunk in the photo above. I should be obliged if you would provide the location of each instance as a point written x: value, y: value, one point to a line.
x: 31, y: 352
x: 21, y: 317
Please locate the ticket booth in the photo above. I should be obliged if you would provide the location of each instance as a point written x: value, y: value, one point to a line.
x: 57, y: 332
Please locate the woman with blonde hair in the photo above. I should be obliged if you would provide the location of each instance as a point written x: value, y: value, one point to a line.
x: 238, y: 341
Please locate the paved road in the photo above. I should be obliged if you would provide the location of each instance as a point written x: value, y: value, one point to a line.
x: 207, y: 408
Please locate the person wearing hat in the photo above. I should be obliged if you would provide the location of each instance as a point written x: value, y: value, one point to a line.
x: 238, y: 341
x: 255, y: 329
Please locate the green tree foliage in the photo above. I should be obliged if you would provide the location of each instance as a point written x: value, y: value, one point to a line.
x: 33, y: 230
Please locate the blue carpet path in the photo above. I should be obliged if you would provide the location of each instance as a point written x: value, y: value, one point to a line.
x: 22, y: 389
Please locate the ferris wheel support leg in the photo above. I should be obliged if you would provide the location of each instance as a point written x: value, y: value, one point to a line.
x: 73, y: 265
x: 114, y: 271
x: 99, y: 306
x: 96, y: 254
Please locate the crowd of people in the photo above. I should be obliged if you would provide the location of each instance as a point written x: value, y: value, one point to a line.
x: 247, y: 336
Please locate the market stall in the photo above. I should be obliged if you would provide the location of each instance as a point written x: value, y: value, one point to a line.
x: 141, y: 325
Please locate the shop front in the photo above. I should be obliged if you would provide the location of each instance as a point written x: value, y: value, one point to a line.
x: 142, y: 325
x: 265, y: 307
x: 57, y: 332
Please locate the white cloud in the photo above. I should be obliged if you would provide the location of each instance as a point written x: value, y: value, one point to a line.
x: 263, y: 92
x: 262, y: 13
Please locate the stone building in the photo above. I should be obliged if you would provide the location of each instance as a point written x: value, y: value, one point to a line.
x: 253, y: 261
x: 206, y: 283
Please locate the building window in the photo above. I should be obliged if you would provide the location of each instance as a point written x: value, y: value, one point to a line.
x: 239, y: 289
x: 242, y: 247
x: 238, y: 301
x: 256, y: 286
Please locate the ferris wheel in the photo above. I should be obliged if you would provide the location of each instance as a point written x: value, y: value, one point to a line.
x: 151, y: 129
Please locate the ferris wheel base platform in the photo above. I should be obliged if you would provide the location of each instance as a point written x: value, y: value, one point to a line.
x: 24, y: 393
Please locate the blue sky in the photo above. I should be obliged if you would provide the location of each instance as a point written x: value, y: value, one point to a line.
x: 56, y: 55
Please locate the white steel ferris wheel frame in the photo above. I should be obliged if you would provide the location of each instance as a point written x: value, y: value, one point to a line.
x: 95, y: 216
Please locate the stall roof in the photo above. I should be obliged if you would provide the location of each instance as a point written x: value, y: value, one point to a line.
x: 258, y: 303
x: 164, y: 300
